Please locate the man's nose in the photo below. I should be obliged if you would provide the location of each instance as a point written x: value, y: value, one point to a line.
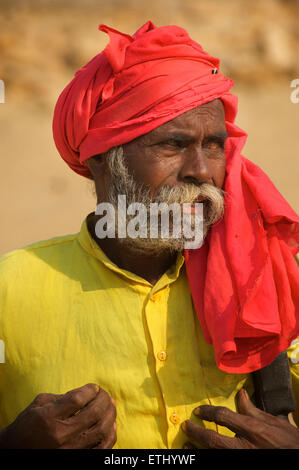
x: 196, y: 168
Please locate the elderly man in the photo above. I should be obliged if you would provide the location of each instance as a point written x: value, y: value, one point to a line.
x: 138, y: 342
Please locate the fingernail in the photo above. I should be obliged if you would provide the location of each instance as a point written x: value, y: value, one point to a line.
x: 196, y: 411
x: 97, y: 388
x: 187, y: 447
x: 183, y: 425
x: 245, y: 393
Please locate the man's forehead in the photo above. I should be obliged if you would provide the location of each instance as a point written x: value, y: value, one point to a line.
x: 210, y: 115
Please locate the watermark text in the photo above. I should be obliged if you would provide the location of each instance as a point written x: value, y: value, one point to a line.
x: 160, y: 220
x: 295, y: 93
x: 2, y: 92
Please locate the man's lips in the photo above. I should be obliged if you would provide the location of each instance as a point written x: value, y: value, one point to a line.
x: 192, y: 209
x: 200, y: 199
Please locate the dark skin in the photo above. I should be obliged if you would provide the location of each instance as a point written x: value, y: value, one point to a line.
x: 83, y: 418
x: 254, y: 428
x: 189, y: 149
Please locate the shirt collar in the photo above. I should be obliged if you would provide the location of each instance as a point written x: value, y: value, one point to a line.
x: 90, y: 246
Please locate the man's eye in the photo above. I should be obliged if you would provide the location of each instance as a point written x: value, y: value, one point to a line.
x: 175, y: 143
x: 215, y: 145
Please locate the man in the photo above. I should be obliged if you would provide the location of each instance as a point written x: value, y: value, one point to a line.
x: 139, y: 342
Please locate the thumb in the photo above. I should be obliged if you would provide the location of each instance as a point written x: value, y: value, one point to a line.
x: 246, y: 407
x: 43, y: 399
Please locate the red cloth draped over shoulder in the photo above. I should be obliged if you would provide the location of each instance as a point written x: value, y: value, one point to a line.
x: 244, y: 279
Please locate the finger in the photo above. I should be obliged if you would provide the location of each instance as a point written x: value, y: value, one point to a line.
x: 188, y: 445
x: 113, y: 401
x: 109, y: 442
x: 99, y: 436
x: 246, y: 407
x: 211, y: 439
x: 242, y: 425
x: 91, y: 425
x: 72, y: 401
x: 94, y: 411
x: 43, y: 399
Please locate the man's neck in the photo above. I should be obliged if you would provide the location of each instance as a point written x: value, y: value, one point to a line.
x: 149, y: 267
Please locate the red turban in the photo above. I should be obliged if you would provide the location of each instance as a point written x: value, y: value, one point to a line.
x: 244, y: 280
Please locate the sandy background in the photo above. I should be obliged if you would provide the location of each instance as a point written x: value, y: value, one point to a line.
x: 43, y: 43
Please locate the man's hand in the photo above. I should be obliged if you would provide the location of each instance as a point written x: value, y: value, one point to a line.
x: 83, y: 418
x: 254, y: 428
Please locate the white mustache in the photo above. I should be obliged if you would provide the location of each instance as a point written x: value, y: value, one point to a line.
x: 123, y: 183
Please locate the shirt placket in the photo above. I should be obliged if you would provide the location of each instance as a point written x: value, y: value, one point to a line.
x: 156, y: 311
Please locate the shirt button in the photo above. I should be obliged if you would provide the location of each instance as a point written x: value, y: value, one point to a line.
x: 162, y: 355
x: 174, y: 418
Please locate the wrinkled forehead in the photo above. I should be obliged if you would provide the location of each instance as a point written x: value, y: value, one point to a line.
x: 209, y: 117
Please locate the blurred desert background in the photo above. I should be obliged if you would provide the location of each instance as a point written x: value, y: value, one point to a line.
x: 44, y: 42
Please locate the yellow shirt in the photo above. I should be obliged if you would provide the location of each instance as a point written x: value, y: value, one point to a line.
x: 69, y: 316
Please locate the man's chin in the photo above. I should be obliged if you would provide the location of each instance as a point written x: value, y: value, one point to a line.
x: 159, y: 246
x: 152, y: 247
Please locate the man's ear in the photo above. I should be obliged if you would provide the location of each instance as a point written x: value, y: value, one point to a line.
x: 97, y: 164
x: 99, y: 171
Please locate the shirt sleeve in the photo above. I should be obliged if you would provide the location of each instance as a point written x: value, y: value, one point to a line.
x: 293, y: 354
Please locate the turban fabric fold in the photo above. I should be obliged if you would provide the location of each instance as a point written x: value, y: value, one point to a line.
x: 136, y: 84
x: 244, y: 280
